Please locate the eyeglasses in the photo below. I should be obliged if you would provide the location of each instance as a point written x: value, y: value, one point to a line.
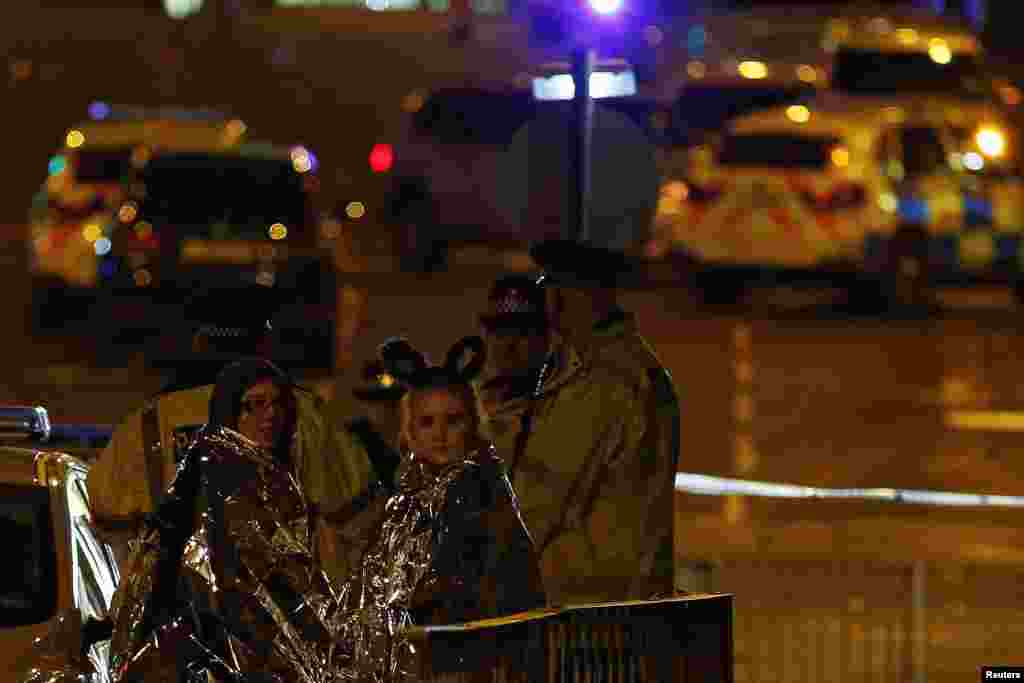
x: 261, y: 405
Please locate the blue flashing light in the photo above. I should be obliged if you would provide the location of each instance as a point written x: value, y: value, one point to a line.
x: 99, y: 111
x: 1007, y: 248
x: 696, y: 39
x: 945, y: 252
x: 913, y: 210
x: 107, y: 268
x: 57, y: 165
x: 977, y: 211
x: 606, y: 7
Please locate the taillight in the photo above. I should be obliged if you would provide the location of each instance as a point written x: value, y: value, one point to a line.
x: 382, y: 158
x: 844, y: 196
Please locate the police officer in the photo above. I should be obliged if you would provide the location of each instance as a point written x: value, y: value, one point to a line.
x: 138, y: 464
x: 377, y: 429
x: 584, y: 281
x: 593, y: 471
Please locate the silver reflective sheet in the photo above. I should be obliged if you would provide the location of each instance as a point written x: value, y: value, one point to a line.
x: 253, y: 597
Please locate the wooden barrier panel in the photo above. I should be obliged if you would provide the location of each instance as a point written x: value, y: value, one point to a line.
x: 683, y: 639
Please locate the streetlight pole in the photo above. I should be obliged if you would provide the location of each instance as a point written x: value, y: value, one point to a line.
x: 583, y: 61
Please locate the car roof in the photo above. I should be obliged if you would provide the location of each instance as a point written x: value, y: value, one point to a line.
x: 267, y: 151
x: 772, y: 30
x: 24, y: 466
x: 164, y: 133
x: 836, y: 114
x: 31, y: 448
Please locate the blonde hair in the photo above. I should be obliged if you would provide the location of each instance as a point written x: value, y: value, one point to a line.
x: 477, y: 435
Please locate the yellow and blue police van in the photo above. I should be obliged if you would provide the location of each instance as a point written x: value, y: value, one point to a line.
x: 850, y: 184
x: 85, y: 186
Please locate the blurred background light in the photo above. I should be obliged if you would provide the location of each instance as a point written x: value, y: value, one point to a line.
x: 382, y: 157
x: 98, y: 111
x: 939, y: 51
x: 798, y: 113
x: 355, y: 210
x: 179, y: 9
x: 606, y: 7
x: 277, y: 231
x: 973, y: 161
x: 752, y: 70
x: 57, y: 165
x: 991, y: 141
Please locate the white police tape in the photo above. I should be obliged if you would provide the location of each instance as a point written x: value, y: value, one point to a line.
x: 702, y: 484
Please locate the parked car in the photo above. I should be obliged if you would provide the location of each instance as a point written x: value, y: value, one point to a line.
x: 59, y: 580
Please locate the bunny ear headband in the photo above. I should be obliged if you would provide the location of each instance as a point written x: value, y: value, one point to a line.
x: 411, y: 368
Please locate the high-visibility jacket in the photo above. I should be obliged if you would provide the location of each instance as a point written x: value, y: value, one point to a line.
x: 594, y: 477
x: 142, y: 454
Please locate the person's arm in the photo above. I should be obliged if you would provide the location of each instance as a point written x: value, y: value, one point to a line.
x: 117, y: 487
x: 607, y: 546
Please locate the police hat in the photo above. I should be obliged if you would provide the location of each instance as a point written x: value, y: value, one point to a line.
x: 516, y: 302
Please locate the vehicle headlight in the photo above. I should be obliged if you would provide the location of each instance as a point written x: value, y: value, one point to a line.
x: 991, y: 141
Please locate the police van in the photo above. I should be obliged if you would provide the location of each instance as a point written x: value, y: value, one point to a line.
x: 85, y: 187
x: 895, y: 187
x: 58, y: 585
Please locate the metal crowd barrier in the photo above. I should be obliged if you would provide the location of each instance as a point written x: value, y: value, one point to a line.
x: 682, y: 639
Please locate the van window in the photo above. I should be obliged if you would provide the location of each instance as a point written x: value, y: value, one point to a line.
x: 873, y: 72
x: 776, y: 150
x: 28, y: 579
x: 222, y: 197
x: 102, y: 165
x: 923, y: 151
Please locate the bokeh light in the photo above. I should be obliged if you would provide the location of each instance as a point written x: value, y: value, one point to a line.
x: 382, y: 158
x: 277, y: 231
x: 355, y: 210
x: 840, y: 156
x: 606, y: 7
x: 92, y: 231
x: 939, y: 51
x: 753, y: 70
x: 74, y: 139
x: 991, y: 141
x: 798, y: 113
x: 98, y: 111
x: 57, y: 165
x: 128, y: 212
x: 807, y: 73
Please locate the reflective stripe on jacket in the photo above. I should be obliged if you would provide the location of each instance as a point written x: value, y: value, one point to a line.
x: 330, y: 466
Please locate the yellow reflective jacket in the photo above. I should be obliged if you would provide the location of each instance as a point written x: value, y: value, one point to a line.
x: 616, y: 342
x: 331, y: 468
x: 593, y: 479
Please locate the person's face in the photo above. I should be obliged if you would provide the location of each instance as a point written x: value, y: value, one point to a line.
x: 263, y: 414
x: 439, y: 432
x: 514, y: 352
